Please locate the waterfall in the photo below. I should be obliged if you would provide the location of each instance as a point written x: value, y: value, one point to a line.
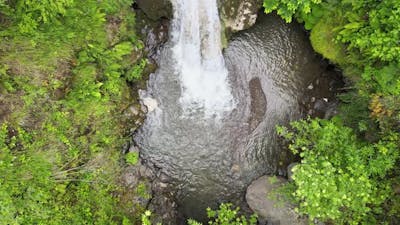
x: 209, y: 160
x: 196, y: 34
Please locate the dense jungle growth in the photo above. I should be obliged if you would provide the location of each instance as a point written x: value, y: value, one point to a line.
x: 65, y: 66
x: 350, y: 166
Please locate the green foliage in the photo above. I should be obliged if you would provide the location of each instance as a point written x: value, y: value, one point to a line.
x: 340, y: 178
x: 373, y: 28
x: 146, y: 218
x: 287, y: 8
x: 63, y: 79
x: 226, y: 215
x: 384, y: 80
x: 362, y: 38
x: 310, y: 19
x: 26, y: 182
x: 136, y: 72
x: 354, y: 110
x: 193, y: 222
x: 132, y: 158
x: 6, y: 81
x: 30, y: 14
x: 323, y: 41
x: 143, y: 191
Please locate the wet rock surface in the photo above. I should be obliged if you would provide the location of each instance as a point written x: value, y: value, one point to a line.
x: 239, y: 14
x: 155, y: 34
x: 156, y: 9
x: 146, y: 188
x: 264, y: 200
x: 163, y: 203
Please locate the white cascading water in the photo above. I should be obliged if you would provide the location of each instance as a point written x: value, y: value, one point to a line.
x: 197, y: 50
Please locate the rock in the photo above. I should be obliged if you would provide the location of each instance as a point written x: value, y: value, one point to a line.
x: 156, y: 9
x: 135, y: 110
x: 163, y: 204
x: 150, y: 103
x: 239, y: 14
x: 133, y: 148
x: 290, y: 172
x: 146, y: 172
x: 156, y: 35
x: 258, y: 197
x: 164, y: 178
x: 165, y: 210
x: 143, y: 193
x: 135, y: 193
x: 331, y: 110
x: 130, y: 177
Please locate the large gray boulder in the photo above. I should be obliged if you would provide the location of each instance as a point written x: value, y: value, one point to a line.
x: 269, y: 207
x: 239, y: 15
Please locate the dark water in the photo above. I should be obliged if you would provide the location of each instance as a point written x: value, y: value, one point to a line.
x: 271, y: 67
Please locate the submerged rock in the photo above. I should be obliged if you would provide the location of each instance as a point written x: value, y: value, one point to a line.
x: 263, y: 199
x: 258, y: 103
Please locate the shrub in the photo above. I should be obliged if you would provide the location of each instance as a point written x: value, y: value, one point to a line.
x: 132, y: 158
x: 226, y: 215
x: 286, y: 9
x: 340, y: 178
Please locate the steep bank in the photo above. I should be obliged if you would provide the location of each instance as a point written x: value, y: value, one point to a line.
x: 67, y: 109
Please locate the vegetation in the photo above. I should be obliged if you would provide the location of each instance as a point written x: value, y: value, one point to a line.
x: 64, y: 72
x: 350, y: 164
x: 340, y: 178
x: 286, y: 8
x: 225, y: 215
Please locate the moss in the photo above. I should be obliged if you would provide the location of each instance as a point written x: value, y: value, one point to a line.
x: 323, y: 41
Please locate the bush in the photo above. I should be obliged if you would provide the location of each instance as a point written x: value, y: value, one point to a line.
x: 286, y: 9
x: 373, y: 29
x: 226, y: 215
x: 332, y: 153
x: 340, y: 178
